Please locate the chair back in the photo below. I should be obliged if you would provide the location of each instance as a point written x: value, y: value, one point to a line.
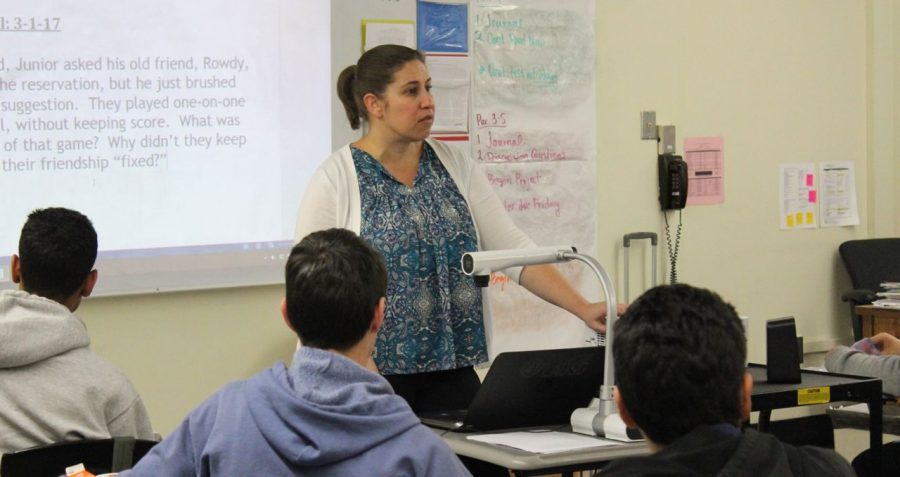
x: 815, y: 430
x: 870, y: 262
x: 99, y: 456
x: 890, y: 456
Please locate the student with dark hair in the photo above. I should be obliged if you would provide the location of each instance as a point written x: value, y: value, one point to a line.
x: 326, y: 414
x: 422, y: 204
x: 53, y: 388
x: 680, y: 378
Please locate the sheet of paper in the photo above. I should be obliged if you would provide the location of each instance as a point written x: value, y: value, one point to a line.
x: 838, y: 194
x: 858, y: 407
x: 798, y: 195
x: 546, y: 442
x: 386, y: 32
x: 450, y: 87
x: 705, y: 158
x: 887, y: 303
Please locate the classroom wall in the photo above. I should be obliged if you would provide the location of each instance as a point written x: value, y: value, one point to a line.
x: 891, y: 162
x: 178, y: 348
x: 805, y: 80
x: 781, y: 82
x: 883, y: 16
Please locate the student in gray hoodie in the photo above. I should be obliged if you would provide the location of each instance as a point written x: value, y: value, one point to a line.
x: 878, y: 356
x: 325, y: 414
x: 53, y: 388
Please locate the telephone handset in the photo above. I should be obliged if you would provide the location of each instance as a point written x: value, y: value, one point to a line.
x: 673, y: 182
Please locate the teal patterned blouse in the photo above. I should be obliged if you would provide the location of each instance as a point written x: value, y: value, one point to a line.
x: 433, y: 318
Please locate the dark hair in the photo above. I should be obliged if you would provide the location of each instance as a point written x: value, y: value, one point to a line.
x: 371, y: 74
x: 679, y: 358
x: 57, y: 250
x: 333, y: 280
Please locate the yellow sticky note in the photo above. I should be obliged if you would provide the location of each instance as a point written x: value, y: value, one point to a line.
x: 790, y: 220
x: 799, y: 218
x: 813, y: 396
x: 810, y: 218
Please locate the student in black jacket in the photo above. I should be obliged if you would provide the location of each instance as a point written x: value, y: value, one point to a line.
x: 679, y: 363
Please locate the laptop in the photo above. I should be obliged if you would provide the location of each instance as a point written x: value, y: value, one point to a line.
x: 528, y: 389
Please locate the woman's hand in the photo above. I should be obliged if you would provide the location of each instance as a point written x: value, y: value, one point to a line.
x: 546, y: 282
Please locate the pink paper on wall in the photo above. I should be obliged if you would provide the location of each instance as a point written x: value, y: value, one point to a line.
x: 812, y: 195
x: 705, y: 158
x: 809, y: 180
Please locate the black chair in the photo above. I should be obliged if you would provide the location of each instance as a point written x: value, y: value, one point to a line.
x: 862, y: 463
x: 869, y: 263
x: 815, y: 430
x: 99, y: 456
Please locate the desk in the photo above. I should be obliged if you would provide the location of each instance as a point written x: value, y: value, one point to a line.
x: 877, y: 319
x: 766, y: 397
x: 818, y: 388
x: 850, y: 417
x: 524, y: 463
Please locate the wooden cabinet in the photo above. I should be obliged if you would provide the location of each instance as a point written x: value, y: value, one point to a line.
x: 876, y: 319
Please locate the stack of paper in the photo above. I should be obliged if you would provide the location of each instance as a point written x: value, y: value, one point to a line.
x: 890, y: 296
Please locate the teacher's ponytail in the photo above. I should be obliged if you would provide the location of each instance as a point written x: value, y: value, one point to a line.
x: 346, y: 94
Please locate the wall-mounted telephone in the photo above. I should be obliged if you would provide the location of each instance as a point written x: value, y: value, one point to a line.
x: 673, y: 182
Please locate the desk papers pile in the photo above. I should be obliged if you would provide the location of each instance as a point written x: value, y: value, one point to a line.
x: 890, y: 296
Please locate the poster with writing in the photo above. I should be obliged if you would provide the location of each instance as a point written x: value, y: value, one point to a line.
x: 798, y: 196
x: 705, y: 158
x: 534, y: 128
x: 838, y: 203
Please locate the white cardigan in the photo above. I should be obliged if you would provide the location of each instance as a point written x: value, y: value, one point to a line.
x: 332, y: 200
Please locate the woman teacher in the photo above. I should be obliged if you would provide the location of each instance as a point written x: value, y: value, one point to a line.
x: 422, y: 204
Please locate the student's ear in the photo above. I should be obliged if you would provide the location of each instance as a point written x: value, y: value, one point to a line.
x: 284, y: 315
x: 373, y: 105
x: 623, y: 413
x: 89, y: 283
x: 378, y: 319
x: 746, y: 395
x: 15, y: 267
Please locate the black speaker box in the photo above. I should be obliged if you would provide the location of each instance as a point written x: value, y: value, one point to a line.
x: 782, y: 351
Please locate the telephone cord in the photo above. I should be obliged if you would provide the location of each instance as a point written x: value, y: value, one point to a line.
x: 673, y: 252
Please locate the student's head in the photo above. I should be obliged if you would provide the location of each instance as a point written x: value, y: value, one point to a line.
x: 679, y: 362
x: 334, y: 284
x: 57, y: 250
x: 365, y: 88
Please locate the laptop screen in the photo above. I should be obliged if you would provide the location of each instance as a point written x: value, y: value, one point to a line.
x: 536, y: 388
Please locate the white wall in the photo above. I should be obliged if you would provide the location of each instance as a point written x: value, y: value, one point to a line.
x: 892, y: 56
x: 781, y: 81
x: 883, y: 43
x: 178, y: 348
